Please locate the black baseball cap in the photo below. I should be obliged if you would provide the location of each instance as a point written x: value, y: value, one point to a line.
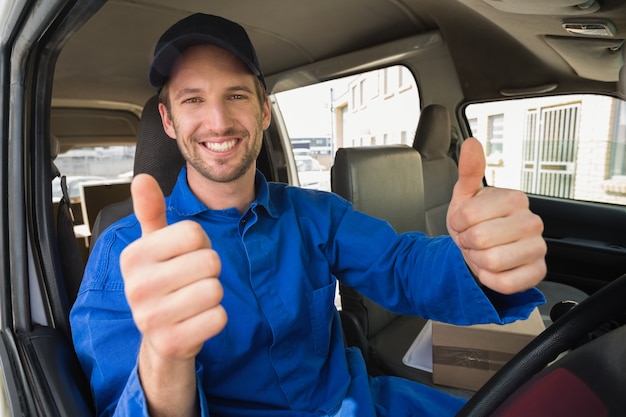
x: 201, y: 29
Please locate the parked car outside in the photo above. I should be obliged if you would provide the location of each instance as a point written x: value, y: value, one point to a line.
x: 311, y: 174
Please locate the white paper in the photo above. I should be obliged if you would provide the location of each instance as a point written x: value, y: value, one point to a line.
x: 420, y: 354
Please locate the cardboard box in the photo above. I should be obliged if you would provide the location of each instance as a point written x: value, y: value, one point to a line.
x: 467, y: 356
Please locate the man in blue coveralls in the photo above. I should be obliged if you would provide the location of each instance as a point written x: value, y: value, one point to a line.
x: 219, y: 299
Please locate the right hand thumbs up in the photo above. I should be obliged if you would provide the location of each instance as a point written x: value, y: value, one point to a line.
x: 171, y: 279
x: 148, y: 203
x: 171, y: 285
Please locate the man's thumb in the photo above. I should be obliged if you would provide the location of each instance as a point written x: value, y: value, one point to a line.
x: 471, y: 169
x: 148, y: 203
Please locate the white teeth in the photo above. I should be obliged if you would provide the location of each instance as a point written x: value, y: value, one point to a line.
x: 220, y: 147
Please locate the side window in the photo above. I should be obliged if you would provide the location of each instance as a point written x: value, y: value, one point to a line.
x: 373, y: 108
x: 100, y: 174
x: 92, y: 165
x: 571, y: 147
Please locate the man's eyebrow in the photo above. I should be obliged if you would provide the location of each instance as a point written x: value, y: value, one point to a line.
x: 186, y: 91
x: 235, y: 88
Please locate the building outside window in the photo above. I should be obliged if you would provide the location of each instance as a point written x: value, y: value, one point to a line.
x: 495, y: 136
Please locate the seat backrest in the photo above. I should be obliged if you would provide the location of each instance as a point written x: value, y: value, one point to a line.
x: 384, y: 182
x: 432, y: 141
x: 156, y: 154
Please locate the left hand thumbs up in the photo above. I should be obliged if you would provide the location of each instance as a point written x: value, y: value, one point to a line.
x: 499, y: 236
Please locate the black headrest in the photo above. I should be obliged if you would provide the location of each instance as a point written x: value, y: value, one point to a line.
x: 432, y: 137
x: 156, y: 153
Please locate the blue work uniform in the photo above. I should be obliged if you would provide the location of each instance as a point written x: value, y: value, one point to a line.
x: 281, y: 352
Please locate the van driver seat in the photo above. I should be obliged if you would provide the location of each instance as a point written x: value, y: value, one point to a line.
x: 156, y: 154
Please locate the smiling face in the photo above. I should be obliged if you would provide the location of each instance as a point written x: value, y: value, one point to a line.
x: 217, y: 113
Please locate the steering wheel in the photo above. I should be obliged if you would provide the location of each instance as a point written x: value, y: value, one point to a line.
x: 593, y: 312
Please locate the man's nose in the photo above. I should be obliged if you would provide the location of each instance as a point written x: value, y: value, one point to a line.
x: 219, y: 116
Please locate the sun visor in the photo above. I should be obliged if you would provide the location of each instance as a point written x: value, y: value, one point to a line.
x: 596, y: 59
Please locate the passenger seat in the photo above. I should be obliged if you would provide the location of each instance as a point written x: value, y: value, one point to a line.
x: 384, y: 182
x: 440, y: 173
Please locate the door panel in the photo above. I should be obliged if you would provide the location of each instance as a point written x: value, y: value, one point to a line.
x: 586, y: 241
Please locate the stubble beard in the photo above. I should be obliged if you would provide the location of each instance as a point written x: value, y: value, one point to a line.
x: 217, y: 170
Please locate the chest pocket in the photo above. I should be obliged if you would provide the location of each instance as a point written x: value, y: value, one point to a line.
x: 321, y: 312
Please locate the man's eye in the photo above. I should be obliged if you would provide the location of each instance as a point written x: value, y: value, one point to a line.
x: 192, y: 100
x: 238, y: 97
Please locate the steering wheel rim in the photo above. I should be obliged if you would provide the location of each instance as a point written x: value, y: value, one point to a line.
x: 589, y: 315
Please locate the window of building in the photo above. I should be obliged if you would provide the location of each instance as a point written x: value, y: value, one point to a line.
x: 473, y: 126
x: 404, y: 138
x: 405, y: 79
x: 386, y: 85
x: 495, y: 136
x: 362, y: 93
x: 617, y: 167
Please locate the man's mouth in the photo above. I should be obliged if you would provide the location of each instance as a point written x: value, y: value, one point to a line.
x: 221, y: 146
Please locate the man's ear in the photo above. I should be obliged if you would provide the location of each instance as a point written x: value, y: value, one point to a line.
x: 168, y: 125
x: 266, y: 113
